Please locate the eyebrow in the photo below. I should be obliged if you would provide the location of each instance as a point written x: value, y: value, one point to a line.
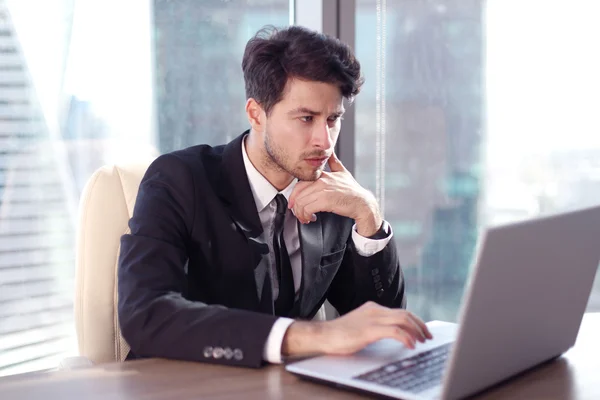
x: 304, y: 110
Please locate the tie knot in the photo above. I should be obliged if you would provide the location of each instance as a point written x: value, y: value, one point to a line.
x: 281, y: 204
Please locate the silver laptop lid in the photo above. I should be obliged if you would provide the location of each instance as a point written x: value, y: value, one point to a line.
x: 525, y: 300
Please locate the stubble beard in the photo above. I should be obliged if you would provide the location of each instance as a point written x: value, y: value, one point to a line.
x: 277, y: 159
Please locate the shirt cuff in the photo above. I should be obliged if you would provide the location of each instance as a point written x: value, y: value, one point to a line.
x: 367, y: 247
x: 272, y: 350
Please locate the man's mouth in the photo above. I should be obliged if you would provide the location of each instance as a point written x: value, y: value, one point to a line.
x: 316, y: 161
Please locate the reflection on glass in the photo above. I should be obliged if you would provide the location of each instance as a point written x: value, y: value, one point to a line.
x: 199, y: 81
x: 82, y: 84
x: 471, y: 117
x: 36, y: 204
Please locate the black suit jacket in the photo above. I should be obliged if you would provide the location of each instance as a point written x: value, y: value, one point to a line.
x: 191, y: 272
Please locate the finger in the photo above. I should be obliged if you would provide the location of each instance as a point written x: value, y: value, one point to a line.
x: 393, y: 332
x: 414, y: 326
x: 299, y: 188
x: 335, y: 165
x: 321, y: 204
x: 394, y: 315
x: 421, y: 324
x: 306, y: 196
x: 311, y: 205
x: 403, y: 337
x: 315, y: 187
x: 401, y: 320
x: 371, y: 305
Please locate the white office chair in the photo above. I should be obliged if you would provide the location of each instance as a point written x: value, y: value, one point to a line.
x: 106, y: 206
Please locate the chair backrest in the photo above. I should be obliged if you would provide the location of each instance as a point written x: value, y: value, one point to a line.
x: 105, y: 208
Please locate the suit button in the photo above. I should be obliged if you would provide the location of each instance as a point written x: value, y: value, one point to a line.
x: 218, y: 352
x: 376, y: 278
x: 208, y: 351
x: 378, y: 285
x: 237, y: 354
x: 380, y: 293
x: 375, y: 271
x: 228, y: 353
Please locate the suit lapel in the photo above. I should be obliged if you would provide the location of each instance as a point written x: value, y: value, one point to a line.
x: 234, y: 191
x: 311, y: 248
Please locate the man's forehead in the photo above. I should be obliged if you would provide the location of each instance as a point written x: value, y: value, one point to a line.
x: 313, y: 92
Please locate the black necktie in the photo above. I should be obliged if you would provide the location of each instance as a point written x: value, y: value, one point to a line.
x: 285, y: 299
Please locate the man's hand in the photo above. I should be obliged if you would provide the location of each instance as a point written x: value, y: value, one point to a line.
x: 339, y: 193
x: 354, y: 331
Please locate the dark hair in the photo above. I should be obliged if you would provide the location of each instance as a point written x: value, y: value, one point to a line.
x: 274, y: 55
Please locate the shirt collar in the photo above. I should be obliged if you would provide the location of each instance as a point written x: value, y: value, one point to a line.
x: 262, y: 190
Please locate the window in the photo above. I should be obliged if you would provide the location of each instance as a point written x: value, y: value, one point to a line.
x: 474, y: 113
x: 86, y: 83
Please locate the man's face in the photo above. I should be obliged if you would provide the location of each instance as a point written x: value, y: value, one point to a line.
x: 303, y: 127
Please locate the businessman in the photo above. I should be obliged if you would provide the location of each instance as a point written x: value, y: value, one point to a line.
x: 233, y: 249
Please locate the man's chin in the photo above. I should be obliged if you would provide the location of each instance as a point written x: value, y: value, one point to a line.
x: 311, y: 175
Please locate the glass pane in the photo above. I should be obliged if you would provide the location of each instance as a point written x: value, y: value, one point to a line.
x: 199, y: 81
x: 474, y: 113
x: 37, y: 208
x: 85, y: 83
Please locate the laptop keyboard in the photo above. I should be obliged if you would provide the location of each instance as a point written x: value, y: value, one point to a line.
x: 414, y: 374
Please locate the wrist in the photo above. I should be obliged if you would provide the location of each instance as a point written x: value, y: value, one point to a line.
x: 369, y: 220
x: 303, y: 338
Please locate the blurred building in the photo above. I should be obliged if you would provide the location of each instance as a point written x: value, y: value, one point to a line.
x: 199, y: 81
x: 434, y: 112
x: 36, y: 230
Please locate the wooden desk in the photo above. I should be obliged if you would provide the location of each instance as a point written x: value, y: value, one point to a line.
x: 576, y: 375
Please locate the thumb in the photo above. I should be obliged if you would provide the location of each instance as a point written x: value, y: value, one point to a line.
x: 335, y: 165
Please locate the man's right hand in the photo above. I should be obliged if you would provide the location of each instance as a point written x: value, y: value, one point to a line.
x: 354, y: 331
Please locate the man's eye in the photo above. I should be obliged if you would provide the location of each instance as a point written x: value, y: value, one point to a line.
x: 307, y: 118
x: 335, y: 118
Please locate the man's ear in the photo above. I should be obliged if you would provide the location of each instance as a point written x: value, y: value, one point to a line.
x: 256, y: 115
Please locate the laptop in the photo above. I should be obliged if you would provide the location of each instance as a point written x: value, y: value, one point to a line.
x: 523, y: 305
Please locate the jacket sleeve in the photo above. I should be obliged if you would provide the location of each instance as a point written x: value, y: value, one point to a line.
x: 375, y: 278
x: 156, y: 319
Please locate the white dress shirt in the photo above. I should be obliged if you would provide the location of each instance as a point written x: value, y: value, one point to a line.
x: 264, y: 196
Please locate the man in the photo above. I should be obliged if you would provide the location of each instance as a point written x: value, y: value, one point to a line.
x: 233, y: 249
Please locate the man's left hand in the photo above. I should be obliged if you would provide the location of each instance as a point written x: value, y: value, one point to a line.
x: 339, y: 193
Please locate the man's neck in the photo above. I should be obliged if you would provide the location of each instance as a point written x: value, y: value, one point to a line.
x: 258, y: 157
